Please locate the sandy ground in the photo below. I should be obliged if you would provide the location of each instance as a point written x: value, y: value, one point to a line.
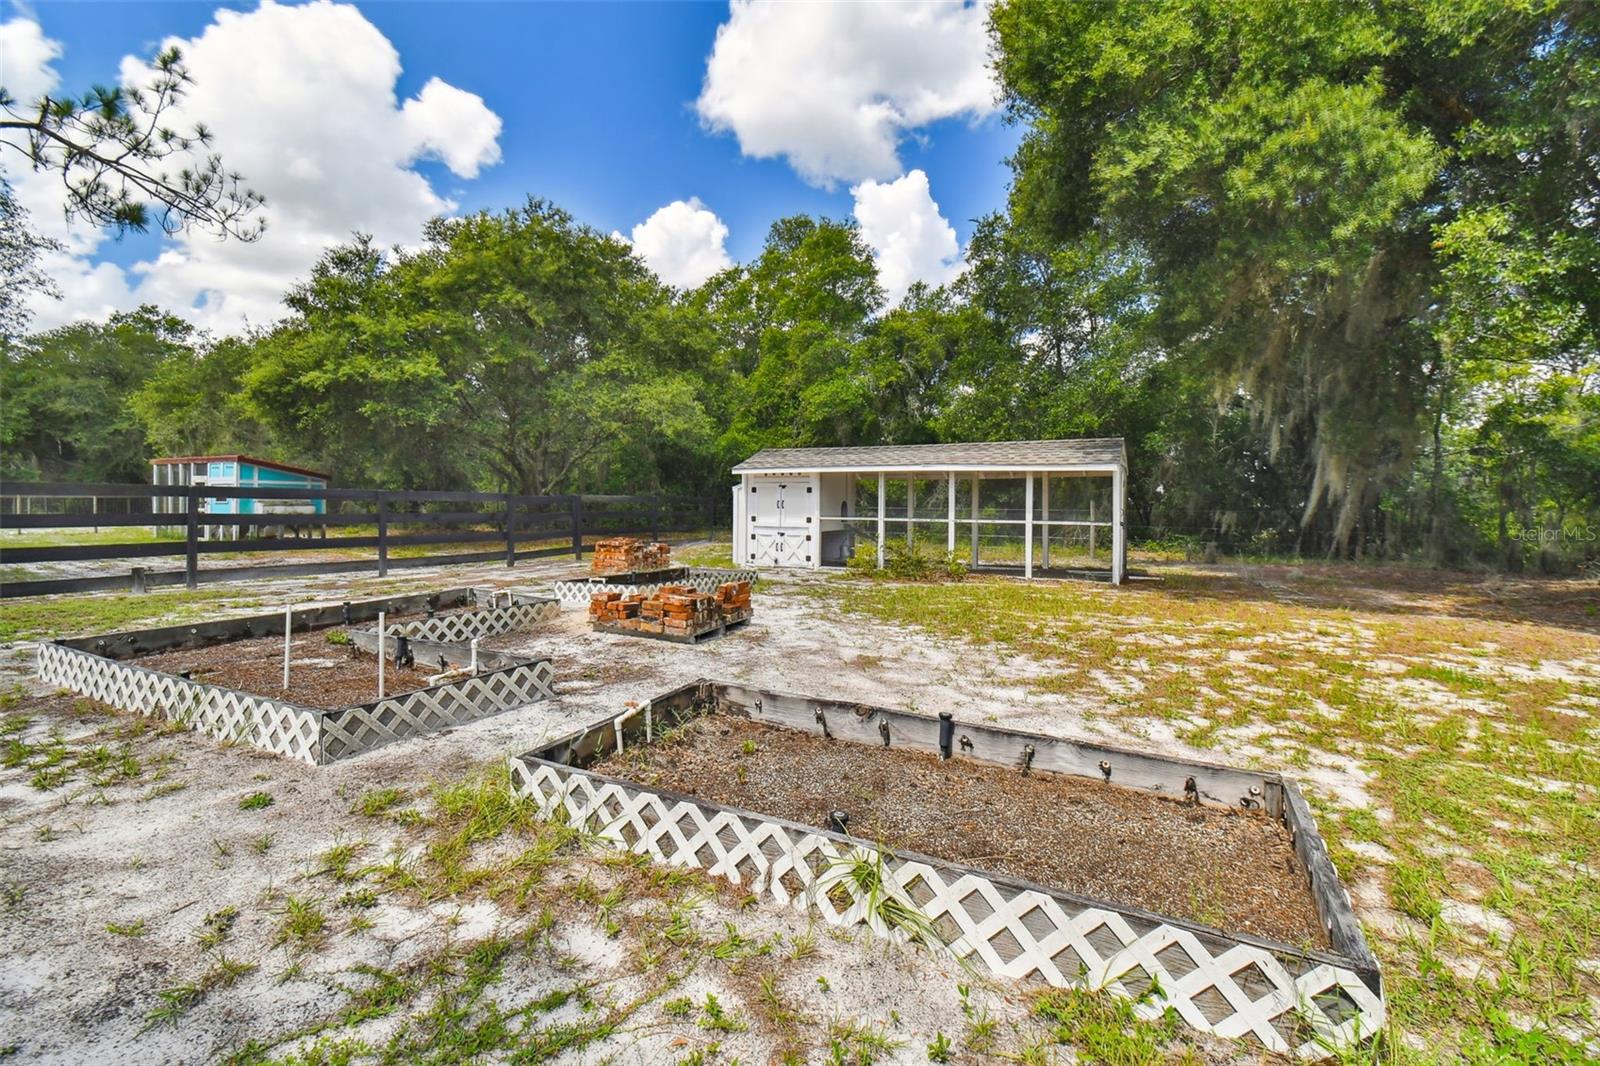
x: 156, y: 855
x: 159, y: 855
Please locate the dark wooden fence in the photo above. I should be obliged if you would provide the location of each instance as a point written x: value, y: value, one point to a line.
x: 519, y: 527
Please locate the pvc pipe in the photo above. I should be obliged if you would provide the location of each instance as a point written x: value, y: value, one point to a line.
x: 382, y: 631
x: 617, y: 722
x: 288, y: 625
x: 474, y: 657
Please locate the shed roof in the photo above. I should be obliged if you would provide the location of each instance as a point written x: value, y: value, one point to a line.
x: 987, y: 455
x: 271, y: 464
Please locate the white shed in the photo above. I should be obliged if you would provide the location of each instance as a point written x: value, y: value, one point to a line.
x: 1040, y: 505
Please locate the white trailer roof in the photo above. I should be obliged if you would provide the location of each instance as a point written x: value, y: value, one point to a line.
x: 1088, y: 453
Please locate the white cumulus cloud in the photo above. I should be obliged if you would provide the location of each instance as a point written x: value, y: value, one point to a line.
x: 25, y: 58
x: 683, y: 242
x: 301, y: 101
x: 835, y: 87
x: 454, y: 125
x: 909, y: 238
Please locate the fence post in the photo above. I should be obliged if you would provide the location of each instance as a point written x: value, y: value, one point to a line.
x: 577, y: 528
x: 655, y: 517
x: 383, y: 534
x: 511, y: 530
x: 191, y: 540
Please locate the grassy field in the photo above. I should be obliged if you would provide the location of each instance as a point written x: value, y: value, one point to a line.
x: 52, y: 538
x: 1446, y: 728
x: 57, y: 616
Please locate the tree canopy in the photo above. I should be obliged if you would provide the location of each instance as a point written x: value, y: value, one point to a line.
x: 1330, y: 269
x: 1349, y: 216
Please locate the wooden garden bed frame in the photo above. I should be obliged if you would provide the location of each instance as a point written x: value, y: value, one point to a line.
x: 1296, y: 1001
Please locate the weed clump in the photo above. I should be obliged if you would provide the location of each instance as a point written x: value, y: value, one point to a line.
x: 907, y: 562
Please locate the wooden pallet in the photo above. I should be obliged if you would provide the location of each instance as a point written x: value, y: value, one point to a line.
x: 693, y: 637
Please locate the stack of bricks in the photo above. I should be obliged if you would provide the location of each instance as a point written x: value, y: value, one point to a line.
x: 733, y: 598
x: 679, y: 609
x: 614, y: 607
x: 622, y: 555
x: 676, y: 610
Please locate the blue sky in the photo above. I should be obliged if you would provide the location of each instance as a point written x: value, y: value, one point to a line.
x: 597, y: 105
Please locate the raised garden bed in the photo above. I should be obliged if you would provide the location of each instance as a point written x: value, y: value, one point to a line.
x: 321, y: 673
x: 1177, y: 883
x: 234, y: 688
x: 1205, y: 862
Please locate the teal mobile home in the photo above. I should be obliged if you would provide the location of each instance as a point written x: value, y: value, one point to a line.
x: 236, y: 471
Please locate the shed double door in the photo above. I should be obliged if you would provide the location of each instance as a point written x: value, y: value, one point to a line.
x: 783, y: 521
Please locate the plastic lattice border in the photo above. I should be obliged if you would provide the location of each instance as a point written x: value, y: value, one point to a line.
x: 276, y: 725
x: 466, y: 625
x: 1292, y: 1004
x: 312, y: 736
x: 356, y: 729
x: 570, y: 592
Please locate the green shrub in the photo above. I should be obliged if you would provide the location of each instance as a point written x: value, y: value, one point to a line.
x: 864, y: 559
x: 907, y: 562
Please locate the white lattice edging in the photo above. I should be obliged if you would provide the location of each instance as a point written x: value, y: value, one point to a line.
x: 310, y: 735
x: 276, y: 725
x: 580, y: 592
x: 1292, y: 1003
x: 465, y: 625
x: 356, y: 729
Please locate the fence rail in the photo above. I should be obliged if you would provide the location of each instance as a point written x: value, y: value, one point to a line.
x: 520, y: 527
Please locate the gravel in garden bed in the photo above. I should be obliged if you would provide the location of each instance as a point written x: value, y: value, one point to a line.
x: 321, y: 674
x: 1232, y: 869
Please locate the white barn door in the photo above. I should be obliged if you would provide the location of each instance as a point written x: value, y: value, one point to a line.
x: 782, y: 520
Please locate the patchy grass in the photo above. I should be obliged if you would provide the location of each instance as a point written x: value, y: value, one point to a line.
x: 302, y: 924
x: 217, y: 926
x: 492, y: 999
x: 718, y: 555
x: 55, y: 616
x: 99, y: 759
x: 1465, y: 721
x: 379, y: 801
x: 174, y: 1002
x: 1102, y: 1028
x: 256, y: 801
x: 336, y: 862
x: 52, y: 538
